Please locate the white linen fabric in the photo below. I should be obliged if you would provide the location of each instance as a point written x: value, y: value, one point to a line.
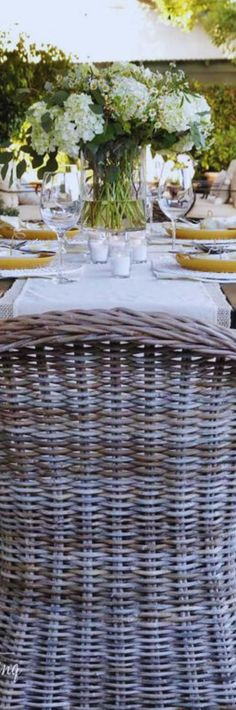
x: 8, y: 300
x: 96, y: 288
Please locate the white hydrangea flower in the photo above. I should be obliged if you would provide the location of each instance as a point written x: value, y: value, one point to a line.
x: 38, y: 109
x: 177, y: 113
x: 202, y: 114
x: 128, y: 98
x: 66, y: 136
x: 73, y: 122
x: 77, y: 109
x: 41, y: 140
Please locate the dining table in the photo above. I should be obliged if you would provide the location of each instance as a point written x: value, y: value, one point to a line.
x: 158, y: 285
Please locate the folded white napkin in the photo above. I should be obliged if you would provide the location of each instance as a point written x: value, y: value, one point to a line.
x: 210, y: 222
x: 219, y: 222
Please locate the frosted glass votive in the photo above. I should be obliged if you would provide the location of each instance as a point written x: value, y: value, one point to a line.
x: 139, y: 249
x: 98, y: 250
x: 120, y: 264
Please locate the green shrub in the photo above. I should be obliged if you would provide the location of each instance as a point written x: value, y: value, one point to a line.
x: 221, y: 152
x: 221, y: 148
x: 24, y: 70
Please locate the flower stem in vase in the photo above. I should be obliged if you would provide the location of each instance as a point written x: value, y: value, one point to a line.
x: 118, y: 202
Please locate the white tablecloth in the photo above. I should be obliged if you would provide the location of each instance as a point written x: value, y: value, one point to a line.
x: 96, y: 288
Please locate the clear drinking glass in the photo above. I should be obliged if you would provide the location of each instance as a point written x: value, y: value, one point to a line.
x: 175, y: 192
x: 60, y: 205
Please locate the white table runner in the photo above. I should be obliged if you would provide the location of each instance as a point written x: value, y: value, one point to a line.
x: 96, y: 288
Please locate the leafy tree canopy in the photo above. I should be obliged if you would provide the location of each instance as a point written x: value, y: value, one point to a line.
x: 218, y: 17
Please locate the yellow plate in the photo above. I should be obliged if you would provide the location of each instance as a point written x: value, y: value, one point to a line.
x: 188, y: 233
x: 23, y: 261
x: 42, y: 234
x: 208, y: 262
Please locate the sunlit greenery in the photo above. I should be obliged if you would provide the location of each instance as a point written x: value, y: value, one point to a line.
x: 221, y: 148
x: 218, y: 17
x: 24, y: 70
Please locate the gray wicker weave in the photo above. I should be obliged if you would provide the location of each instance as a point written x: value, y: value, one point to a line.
x: 118, y: 513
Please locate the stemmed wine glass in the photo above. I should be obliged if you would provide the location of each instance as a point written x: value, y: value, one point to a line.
x: 60, y: 205
x: 175, y: 192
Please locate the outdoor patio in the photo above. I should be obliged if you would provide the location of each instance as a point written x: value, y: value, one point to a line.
x: 117, y: 356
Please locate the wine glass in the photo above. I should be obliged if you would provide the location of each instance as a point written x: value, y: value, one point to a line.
x: 60, y: 205
x: 175, y: 192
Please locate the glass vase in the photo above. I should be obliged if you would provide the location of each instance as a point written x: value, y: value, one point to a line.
x: 114, y: 192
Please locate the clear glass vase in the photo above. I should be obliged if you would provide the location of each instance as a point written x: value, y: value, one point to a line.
x: 114, y: 192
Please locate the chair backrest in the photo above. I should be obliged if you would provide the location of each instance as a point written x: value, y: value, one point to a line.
x: 118, y: 515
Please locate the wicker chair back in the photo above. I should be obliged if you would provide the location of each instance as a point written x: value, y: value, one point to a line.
x: 118, y: 513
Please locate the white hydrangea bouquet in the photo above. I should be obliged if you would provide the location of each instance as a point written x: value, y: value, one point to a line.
x: 108, y: 115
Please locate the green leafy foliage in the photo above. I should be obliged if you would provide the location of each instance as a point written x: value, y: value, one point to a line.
x: 21, y: 168
x: 49, y: 166
x: 47, y: 122
x: 218, y: 17
x: 58, y: 98
x: 221, y: 148
x: 4, y: 170
x: 24, y: 71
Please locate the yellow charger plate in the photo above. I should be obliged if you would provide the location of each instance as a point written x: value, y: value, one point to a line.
x: 188, y: 233
x: 26, y: 261
x: 208, y: 262
x: 42, y: 234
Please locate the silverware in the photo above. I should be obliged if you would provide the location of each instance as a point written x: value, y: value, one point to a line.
x: 33, y: 252
x: 50, y: 277
x: 189, y: 222
x: 214, y: 249
x: 11, y: 245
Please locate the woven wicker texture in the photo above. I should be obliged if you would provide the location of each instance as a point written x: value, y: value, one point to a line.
x: 118, y: 513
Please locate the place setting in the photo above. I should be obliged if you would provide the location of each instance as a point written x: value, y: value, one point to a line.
x: 203, y: 251
x: 39, y: 252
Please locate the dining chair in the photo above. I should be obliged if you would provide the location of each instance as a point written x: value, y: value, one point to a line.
x: 117, y: 513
